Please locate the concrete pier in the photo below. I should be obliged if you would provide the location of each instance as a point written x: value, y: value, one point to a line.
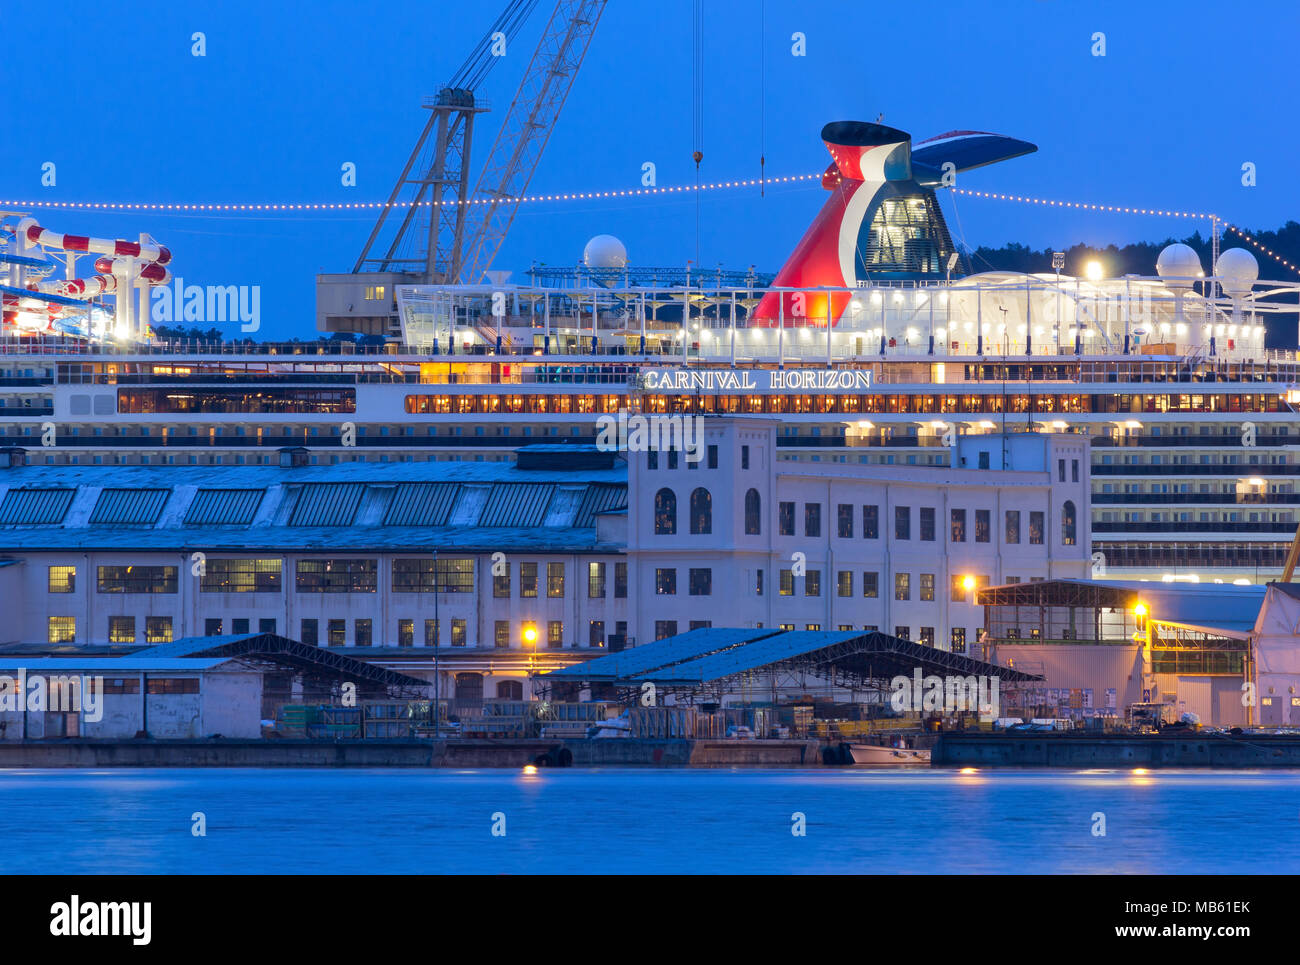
x: 405, y: 753
x: 1117, y: 750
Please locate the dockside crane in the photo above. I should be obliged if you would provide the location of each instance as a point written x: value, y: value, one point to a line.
x: 448, y: 234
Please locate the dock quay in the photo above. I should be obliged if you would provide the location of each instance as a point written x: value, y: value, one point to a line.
x: 486, y: 752
x: 1163, y: 750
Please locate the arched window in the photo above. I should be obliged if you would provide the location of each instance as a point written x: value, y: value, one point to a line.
x: 1069, y: 528
x: 753, y: 513
x: 665, y: 512
x: 701, y: 511
x: 510, y: 690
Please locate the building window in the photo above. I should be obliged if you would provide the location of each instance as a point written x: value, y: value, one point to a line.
x: 902, y: 586
x: 337, y: 576
x: 665, y: 581
x: 701, y: 512
x: 596, y: 633
x: 902, y: 522
x: 510, y: 690
x: 744, y: 457
x: 871, y: 584
x: 758, y: 583
x: 903, y: 633
x: 1012, y: 535
x: 871, y: 522
x: 1035, y: 528
x: 363, y: 631
x: 266, y: 625
x: 172, y: 685
x: 812, y: 583
x: 712, y: 456
x: 1060, y: 469
x: 212, y: 627
x: 63, y: 579
x: 555, y: 634
x: 501, y: 583
x: 958, y: 526
x: 957, y: 640
x: 701, y: 581
x: 844, y: 583
x: 406, y: 633
x: 501, y: 634
x: 432, y: 633
x: 241, y: 576
x: 958, y: 590
x: 927, y: 636
x: 239, y: 625
x: 422, y: 575
x: 665, y: 512
x: 927, y: 587
x: 555, y: 581
x: 812, y: 519
x: 310, y: 633
x: 121, y: 629
x: 620, y: 581
x: 1074, y: 470
x: 665, y: 628
x: 753, y: 513
x: 1068, y: 523
x: 528, y: 580
x: 157, y: 629
x: 595, y: 581
x: 121, y: 685
x: 983, y: 525
x: 652, y: 459
x: 927, y: 524
x: 844, y: 519
x: 785, y: 519
x: 458, y: 631
x: 787, y: 583
x: 337, y: 633
x: 672, y: 458
x: 137, y: 579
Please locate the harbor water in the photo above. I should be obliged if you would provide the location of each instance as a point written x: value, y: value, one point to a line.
x: 633, y: 820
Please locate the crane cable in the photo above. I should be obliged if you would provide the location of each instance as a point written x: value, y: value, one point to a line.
x: 762, y: 98
x: 697, y: 107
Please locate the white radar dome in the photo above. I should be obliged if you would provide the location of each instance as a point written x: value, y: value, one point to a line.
x: 604, y: 251
x: 1179, y: 265
x: 1237, y: 270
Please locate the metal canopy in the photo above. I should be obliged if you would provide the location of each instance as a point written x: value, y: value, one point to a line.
x: 639, y: 662
x: 282, y: 650
x: 849, y: 654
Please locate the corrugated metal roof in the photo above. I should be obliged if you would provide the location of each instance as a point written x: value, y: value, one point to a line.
x: 516, y: 504
x: 35, y: 506
x: 224, y: 507
x: 186, y: 646
x: 125, y: 507
x: 754, y: 655
x: 597, y: 499
x: 421, y: 504
x: 112, y: 666
x: 629, y: 664
x: 327, y: 504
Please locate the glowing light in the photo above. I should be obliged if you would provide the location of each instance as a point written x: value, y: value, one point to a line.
x: 530, y: 769
x: 1092, y: 270
x: 968, y: 583
x: 1140, y: 610
x: 530, y: 634
x: 1139, y: 771
x: 969, y: 770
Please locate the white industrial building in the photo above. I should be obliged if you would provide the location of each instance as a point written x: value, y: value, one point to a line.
x: 538, y: 562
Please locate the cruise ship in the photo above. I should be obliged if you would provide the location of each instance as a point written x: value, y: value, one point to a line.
x: 870, y: 344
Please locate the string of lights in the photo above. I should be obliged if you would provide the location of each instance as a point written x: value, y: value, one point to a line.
x: 256, y: 206
x: 373, y: 205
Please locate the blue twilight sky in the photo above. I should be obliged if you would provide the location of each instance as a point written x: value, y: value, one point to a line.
x: 1188, y: 91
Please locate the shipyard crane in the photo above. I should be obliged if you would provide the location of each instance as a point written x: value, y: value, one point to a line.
x: 446, y: 234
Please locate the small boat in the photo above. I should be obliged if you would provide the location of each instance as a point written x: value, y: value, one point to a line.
x: 882, y: 755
